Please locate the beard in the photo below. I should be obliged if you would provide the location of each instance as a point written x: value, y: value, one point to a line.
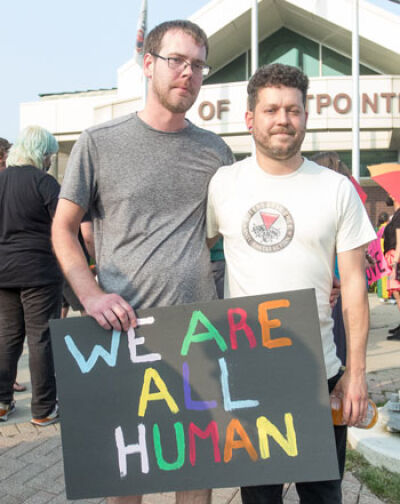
x: 176, y: 105
x: 280, y: 150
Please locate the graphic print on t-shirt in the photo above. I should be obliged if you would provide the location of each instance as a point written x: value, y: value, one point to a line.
x: 268, y: 227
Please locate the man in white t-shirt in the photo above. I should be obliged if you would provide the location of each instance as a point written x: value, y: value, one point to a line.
x: 283, y: 219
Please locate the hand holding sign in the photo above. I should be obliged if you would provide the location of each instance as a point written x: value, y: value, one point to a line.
x: 110, y: 311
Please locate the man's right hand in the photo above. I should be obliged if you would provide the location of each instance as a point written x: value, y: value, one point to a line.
x: 110, y: 311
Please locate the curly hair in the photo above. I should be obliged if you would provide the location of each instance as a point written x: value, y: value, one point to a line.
x: 153, y: 41
x: 276, y: 75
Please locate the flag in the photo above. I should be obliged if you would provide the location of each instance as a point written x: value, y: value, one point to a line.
x: 363, y: 195
x: 141, y: 33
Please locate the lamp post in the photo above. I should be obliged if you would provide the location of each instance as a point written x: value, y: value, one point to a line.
x: 254, y: 49
x: 254, y: 37
x: 355, y: 60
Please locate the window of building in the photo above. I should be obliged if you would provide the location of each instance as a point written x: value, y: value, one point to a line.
x: 235, y: 71
x: 290, y: 48
x: 334, y: 63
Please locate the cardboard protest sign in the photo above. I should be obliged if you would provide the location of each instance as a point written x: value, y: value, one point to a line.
x: 380, y: 268
x: 219, y: 394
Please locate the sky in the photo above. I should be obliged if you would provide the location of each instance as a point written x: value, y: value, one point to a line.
x: 53, y: 47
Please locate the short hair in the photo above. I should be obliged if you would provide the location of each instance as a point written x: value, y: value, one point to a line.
x: 33, y: 144
x: 382, y: 218
x: 276, y: 75
x: 153, y: 41
x: 332, y: 161
x: 4, y: 147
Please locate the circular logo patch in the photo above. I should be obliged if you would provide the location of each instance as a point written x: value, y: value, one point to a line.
x: 268, y: 227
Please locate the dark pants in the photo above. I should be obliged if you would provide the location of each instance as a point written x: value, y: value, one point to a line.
x: 318, y: 492
x: 339, y: 332
x: 26, y: 311
x: 218, y: 271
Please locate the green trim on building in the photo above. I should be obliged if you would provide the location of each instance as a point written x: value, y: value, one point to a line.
x: 337, y: 64
x: 235, y: 71
x: 290, y: 48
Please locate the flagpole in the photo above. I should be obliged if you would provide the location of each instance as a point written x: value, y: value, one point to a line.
x: 355, y: 60
x: 145, y: 82
x: 254, y: 37
x: 141, y: 34
x: 254, y: 49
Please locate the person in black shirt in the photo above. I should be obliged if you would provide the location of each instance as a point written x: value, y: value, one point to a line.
x: 30, y: 279
x: 391, y: 248
x: 4, y: 148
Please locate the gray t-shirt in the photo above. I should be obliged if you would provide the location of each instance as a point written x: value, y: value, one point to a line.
x: 146, y: 191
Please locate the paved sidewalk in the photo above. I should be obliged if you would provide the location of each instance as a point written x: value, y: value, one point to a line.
x: 31, y: 467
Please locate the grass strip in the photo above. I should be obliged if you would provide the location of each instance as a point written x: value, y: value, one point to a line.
x: 381, y: 482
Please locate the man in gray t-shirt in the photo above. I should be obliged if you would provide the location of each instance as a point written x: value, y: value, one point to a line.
x: 144, y: 178
x: 146, y: 190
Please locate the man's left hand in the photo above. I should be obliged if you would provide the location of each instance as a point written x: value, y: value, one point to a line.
x: 352, y: 390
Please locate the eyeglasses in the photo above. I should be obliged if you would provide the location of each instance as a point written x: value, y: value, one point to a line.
x: 179, y: 64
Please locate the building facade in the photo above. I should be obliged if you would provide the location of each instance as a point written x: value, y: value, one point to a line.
x: 314, y: 36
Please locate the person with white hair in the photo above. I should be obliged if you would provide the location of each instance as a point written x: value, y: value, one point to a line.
x: 30, y: 279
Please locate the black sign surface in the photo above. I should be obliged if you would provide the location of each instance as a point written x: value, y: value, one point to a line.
x: 219, y: 394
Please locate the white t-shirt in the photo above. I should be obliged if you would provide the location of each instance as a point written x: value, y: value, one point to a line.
x: 281, y: 233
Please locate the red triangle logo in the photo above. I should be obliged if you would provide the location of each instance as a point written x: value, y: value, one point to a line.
x: 268, y: 219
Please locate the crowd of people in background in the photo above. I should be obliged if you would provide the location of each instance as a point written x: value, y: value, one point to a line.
x: 158, y: 254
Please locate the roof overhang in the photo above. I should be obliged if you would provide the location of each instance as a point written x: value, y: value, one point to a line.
x: 227, y: 25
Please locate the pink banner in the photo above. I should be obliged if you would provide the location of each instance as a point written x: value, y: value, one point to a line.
x: 380, y: 269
